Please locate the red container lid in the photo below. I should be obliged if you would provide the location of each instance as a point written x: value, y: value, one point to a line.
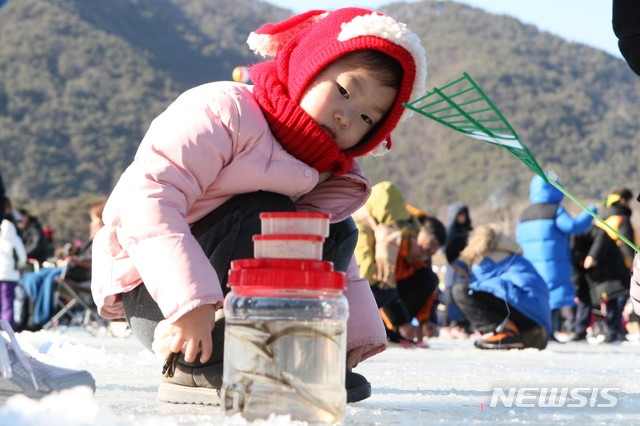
x: 288, y: 237
x: 293, y: 215
x: 248, y: 276
x: 292, y: 264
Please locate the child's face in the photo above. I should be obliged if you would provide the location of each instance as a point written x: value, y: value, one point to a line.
x: 346, y: 102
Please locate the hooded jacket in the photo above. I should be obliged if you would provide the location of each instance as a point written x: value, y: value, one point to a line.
x: 609, y: 277
x: 212, y: 143
x: 12, y: 253
x: 499, y: 269
x: 457, y: 233
x: 543, y: 233
x: 384, y: 224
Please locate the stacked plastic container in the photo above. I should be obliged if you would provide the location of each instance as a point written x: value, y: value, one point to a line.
x: 286, y: 318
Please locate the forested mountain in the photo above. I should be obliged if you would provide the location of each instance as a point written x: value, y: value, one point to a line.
x: 80, y: 81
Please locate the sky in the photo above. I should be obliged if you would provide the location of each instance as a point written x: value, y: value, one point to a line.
x: 451, y: 383
x: 583, y: 21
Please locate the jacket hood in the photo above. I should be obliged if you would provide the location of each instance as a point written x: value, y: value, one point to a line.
x: 487, y: 242
x: 454, y: 209
x: 387, y: 205
x: 541, y: 191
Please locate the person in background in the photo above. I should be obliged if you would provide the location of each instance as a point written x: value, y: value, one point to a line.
x: 40, y: 285
x: 35, y: 241
x: 506, y: 299
x: 456, y: 272
x: 394, y: 253
x: 78, y: 263
x: 543, y: 233
x: 602, y: 281
x: 433, y: 232
x: 224, y: 152
x: 12, y: 257
x: 617, y: 214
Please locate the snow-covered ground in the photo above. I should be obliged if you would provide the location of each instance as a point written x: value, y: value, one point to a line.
x: 449, y: 383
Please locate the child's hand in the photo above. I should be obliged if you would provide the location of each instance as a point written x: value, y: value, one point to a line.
x: 191, y: 333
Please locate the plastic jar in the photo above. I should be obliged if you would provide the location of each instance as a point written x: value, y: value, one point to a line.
x: 288, y: 246
x: 285, y: 340
x: 295, y: 223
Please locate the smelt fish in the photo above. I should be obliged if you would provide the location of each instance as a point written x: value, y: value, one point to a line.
x: 303, y: 390
x: 299, y: 330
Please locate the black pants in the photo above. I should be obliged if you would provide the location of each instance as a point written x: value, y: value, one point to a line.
x: 403, y: 303
x: 485, y: 311
x: 226, y: 234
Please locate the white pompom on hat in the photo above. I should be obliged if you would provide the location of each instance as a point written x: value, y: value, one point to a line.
x: 305, y: 44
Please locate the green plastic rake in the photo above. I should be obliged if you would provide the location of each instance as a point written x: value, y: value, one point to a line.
x: 464, y: 107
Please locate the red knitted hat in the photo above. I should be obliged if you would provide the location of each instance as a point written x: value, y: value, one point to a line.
x: 305, y: 44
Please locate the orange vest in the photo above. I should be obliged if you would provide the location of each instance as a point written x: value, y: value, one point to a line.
x: 406, y: 269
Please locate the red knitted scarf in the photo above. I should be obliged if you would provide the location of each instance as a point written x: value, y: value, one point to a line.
x: 296, y: 131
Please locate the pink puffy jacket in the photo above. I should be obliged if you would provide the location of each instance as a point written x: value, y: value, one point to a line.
x: 210, y: 144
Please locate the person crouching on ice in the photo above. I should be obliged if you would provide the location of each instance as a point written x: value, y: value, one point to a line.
x: 506, y: 299
x: 224, y: 152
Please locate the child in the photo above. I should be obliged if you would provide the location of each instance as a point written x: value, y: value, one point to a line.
x: 12, y: 257
x: 602, y: 280
x: 506, y: 299
x: 224, y: 152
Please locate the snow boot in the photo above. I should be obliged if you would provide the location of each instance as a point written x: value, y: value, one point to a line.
x: 535, y: 338
x: 506, y: 336
x: 358, y: 388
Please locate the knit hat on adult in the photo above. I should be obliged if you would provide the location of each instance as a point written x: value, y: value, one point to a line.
x: 304, y: 45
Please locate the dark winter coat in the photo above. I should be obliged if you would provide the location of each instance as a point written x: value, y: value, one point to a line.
x: 622, y: 224
x: 35, y: 242
x: 609, y: 277
x: 457, y: 233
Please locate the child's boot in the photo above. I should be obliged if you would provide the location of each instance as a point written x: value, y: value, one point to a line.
x: 536, y: 337
x: 194, y: 382
x: 190, y: 383
x: 358, y: 387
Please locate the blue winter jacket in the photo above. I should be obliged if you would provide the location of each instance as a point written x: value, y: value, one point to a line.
x: 517, y: 282
x: 543, y: 233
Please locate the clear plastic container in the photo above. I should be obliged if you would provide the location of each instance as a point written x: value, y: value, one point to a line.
x: 288, y: 246
x: 285, y: 340
x: 295, y: 223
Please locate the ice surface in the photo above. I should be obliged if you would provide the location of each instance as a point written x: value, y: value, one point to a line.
x: 449, y: 383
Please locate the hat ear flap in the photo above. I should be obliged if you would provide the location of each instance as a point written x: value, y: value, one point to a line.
x: 270, y: 38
